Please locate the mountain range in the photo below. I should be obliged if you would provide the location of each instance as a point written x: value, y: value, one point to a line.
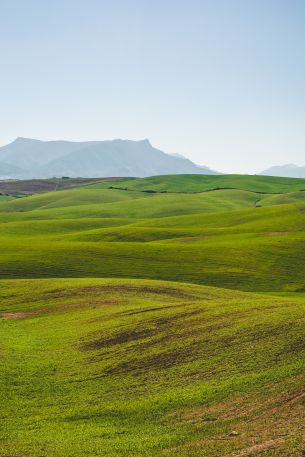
x: 290, y: 171
x: 29, y: 158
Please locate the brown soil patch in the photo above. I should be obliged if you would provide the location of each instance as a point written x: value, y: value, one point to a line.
x: 139, y: 289
x: 163, y: 360
x: 276, y: 233
x: 245, y: 407
x: 135, y: 334
x: 149, y: 310
x: 123, y: 337
x: 260, y: 448
x: 272, y: 425
x: 38, y: 186
x: 55, y: 309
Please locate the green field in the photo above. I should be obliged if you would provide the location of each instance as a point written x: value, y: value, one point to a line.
x: 199, y: 183
x: 156, y: 316
x: 5, y: 198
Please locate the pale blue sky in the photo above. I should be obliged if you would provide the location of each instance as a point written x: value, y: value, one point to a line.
x: 220, y: 81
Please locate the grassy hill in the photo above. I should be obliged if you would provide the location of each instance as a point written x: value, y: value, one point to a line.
x: 162, y: 318
x: 228, y: 238
x: 202, y: 183
x: 135, y: 368
x: 5, y: 198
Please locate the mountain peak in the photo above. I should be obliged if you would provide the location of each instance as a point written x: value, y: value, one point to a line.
x: 21, y: 139
x: 89, y: 159
x: 146, y: 141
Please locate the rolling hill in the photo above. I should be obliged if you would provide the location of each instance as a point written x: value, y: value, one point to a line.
x: 196, y: 183
x: 144, y: 368
x: 234, y: 238
x: 157, y: 316
x: 29, y: 158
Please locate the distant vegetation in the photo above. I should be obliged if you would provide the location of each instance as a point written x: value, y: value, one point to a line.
x: 115, y: 340
x: 237, y: 238
x: 198, y: 183
x: 39, y: 186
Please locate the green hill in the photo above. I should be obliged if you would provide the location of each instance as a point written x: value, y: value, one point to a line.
x: 228, y: 238
x: 144, y: 368
x: 202, y: 183
x: 5, y: 198
x: 163, y: 318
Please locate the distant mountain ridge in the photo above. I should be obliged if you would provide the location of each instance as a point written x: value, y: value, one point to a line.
x: 289, y: 170
x: 30, y: 158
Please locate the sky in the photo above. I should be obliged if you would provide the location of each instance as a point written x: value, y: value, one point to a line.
x: 219, y: 81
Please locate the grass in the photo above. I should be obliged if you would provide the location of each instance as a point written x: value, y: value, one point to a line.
x: 202, y: 183
x: 5, y: 198
x: 229, y: 238
x: 131, y: 368
x: 139, y: 323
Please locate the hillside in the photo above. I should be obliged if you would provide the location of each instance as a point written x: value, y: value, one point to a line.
x: 28, y: 158
x: 145, y: 368
x: 238, y: 239
x: 197, y: 183
x: 153, y: 317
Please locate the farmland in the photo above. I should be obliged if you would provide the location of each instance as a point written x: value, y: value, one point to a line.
x: 156, y: 316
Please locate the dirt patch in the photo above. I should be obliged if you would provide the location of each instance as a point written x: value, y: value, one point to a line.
x: 121, y: 338
x: 260, y: 448
x: 154, y: 327
x: 272, y: 425
x: 38, y: 186
x: 158, y: 332
x: 149, y: 310
x: 246, y: 407
x: 162, y: 360
x: 16, y: 315
x: 276, y: 233
x: 55, y: 309
x: 138, y: 289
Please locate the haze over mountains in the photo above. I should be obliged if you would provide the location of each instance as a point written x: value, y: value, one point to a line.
x: 289, y: 171
x: 27, y: 158
x: 30, y: 158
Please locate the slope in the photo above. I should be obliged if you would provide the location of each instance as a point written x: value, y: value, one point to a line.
x: 201, y: 183
x: 133, y: 368
x: 221, y: 238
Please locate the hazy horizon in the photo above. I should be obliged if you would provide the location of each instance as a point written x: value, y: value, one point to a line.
x: 219, y: 82
x: 139, y: 140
